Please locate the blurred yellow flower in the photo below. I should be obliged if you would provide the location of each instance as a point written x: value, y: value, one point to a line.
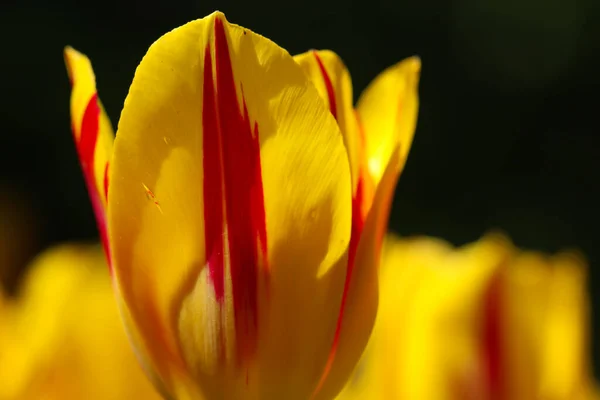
x: 482, y: 322
x: 62, y: 337
x: 540, y: 328
x: 425, y: 344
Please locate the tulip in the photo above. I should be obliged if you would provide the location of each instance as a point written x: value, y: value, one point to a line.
x: 481, y: 322
x: 426, y: 340
x: 242, y: 221
x: 539, y: 329
x: 61, y: 338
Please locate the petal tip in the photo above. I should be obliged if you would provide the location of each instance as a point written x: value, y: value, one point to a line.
x: 414, y: 64
x: 69, y: 54
x: 74, y: 60
x: 219, y: 16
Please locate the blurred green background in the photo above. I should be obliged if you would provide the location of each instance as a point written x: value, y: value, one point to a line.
x: 507, y: 136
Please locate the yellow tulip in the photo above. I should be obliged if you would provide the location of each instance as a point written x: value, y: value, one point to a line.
x: 243, y: 224
x: 482, y: 322
x: 62, y: 337
x: 426, y: 340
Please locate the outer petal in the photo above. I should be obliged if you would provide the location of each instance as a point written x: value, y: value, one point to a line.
x: 388, y: 111
x: 372, y: 192
x: 93, y: 135
x: 330, y: 76
x: 359, y: 307
x: 430, y: 296
x: 230, y: 201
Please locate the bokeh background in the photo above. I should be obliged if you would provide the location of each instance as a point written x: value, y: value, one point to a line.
x: 508, y: 135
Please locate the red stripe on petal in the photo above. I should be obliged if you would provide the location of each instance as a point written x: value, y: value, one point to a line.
x: 233, y: 192
x: 106, y: 182
x: 245, y: 208
x: 89, y: 135
x: 213, y: 182
x: 328, y: 85
x: 492, y: 343
x: 356, y: 232
x: 361, y: 204
x: 86, y: 148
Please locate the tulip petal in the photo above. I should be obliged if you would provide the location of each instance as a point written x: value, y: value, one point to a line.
x: 388, y: 111
x: 565, y: 369
x: 230, y: 196
x: 93, y: 135
x: 361, y: 293
x: 327, y: 72
x: 386, y: 120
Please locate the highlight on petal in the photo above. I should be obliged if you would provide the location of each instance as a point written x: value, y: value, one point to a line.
x: 230, y: 200
x: 62, y: 338
x: 430, y: 296
x: 93, y: 135
x: 387, y: 111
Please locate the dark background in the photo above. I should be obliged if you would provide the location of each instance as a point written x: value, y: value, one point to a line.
x: 507, y: 135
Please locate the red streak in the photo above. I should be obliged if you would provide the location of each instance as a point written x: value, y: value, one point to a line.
x: 86, y: 148
x: 106, y: 181
x: 357, y: 217
x: 232, y: 188
x: 328, y: 85
x: 89, y: 135
x: 492, y: 340
x: 213, y: 182
x: 358, y: 220
x: 356, y: 231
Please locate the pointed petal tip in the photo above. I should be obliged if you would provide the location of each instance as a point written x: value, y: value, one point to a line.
x: 219, y: 16
x: 69, y: 50
x: 414, y: 63
x: 76, y: 64
x: 412, y: 68
x: 70, y: 55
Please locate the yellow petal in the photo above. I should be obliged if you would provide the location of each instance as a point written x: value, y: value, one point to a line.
x: 567, y: 321
x: 64, y: 339
x: 330, y: 76
x: 387, y: 112
x: 372, y: 193
x: 230, y: 201
x: 359, y: 306
x: 93, y: 134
